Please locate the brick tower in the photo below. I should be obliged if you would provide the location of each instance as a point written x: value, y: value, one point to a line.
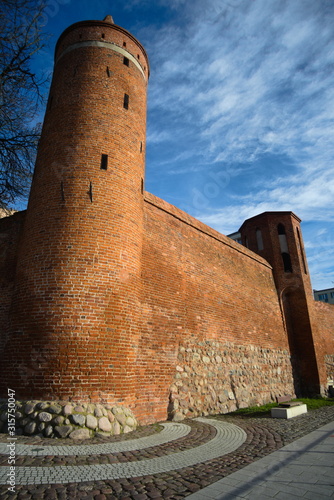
x: 74, y: 322
x: 277, y: 237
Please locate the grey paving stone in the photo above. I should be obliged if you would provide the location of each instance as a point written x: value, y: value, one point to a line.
x: 246, y: 475
x: 262, y: 497
x: 229, y: 495
x: 263, y: 492
x: 317, y: 495
x: 297, y: 489
x: 287, y: 496
x: 201, y: 495
x: 230, y: 481
x: 322, y: 489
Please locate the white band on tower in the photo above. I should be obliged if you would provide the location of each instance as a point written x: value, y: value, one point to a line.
x: 107, y: 45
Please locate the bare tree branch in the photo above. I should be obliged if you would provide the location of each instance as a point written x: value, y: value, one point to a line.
x: 20, y: 96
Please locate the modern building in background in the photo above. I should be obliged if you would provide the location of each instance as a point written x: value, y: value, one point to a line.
x: 326, y: 295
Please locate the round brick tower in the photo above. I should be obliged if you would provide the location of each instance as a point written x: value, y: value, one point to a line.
x: 75, y: 314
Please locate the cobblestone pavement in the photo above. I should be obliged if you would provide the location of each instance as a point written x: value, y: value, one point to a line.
x: 227, y: 439
x: 262, y: 436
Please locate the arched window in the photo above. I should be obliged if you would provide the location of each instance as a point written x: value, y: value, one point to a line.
x: 284, y: 249
x: 259, y: 239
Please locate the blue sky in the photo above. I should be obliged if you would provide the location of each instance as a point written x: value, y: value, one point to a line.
x: 240, y: 108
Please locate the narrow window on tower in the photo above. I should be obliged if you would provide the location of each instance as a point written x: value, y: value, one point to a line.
x: 284, y: 249
x: 141, y: 146
x: 108, y: 71
x: 259, y: 239
x: 282, y: 239
x: 142, y: 186
x: 287, y: 262
x: 126, y: 61
x: 102, y: 36
x: 104, y: 162
x: 124, y: 44
x: 126, y: 101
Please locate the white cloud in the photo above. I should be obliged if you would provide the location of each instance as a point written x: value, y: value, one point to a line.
x: 254, y: 86
x: 157, y: 136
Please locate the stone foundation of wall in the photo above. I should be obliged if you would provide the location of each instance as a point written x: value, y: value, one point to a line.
x: 56, y: 419
x: 213, y: 377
